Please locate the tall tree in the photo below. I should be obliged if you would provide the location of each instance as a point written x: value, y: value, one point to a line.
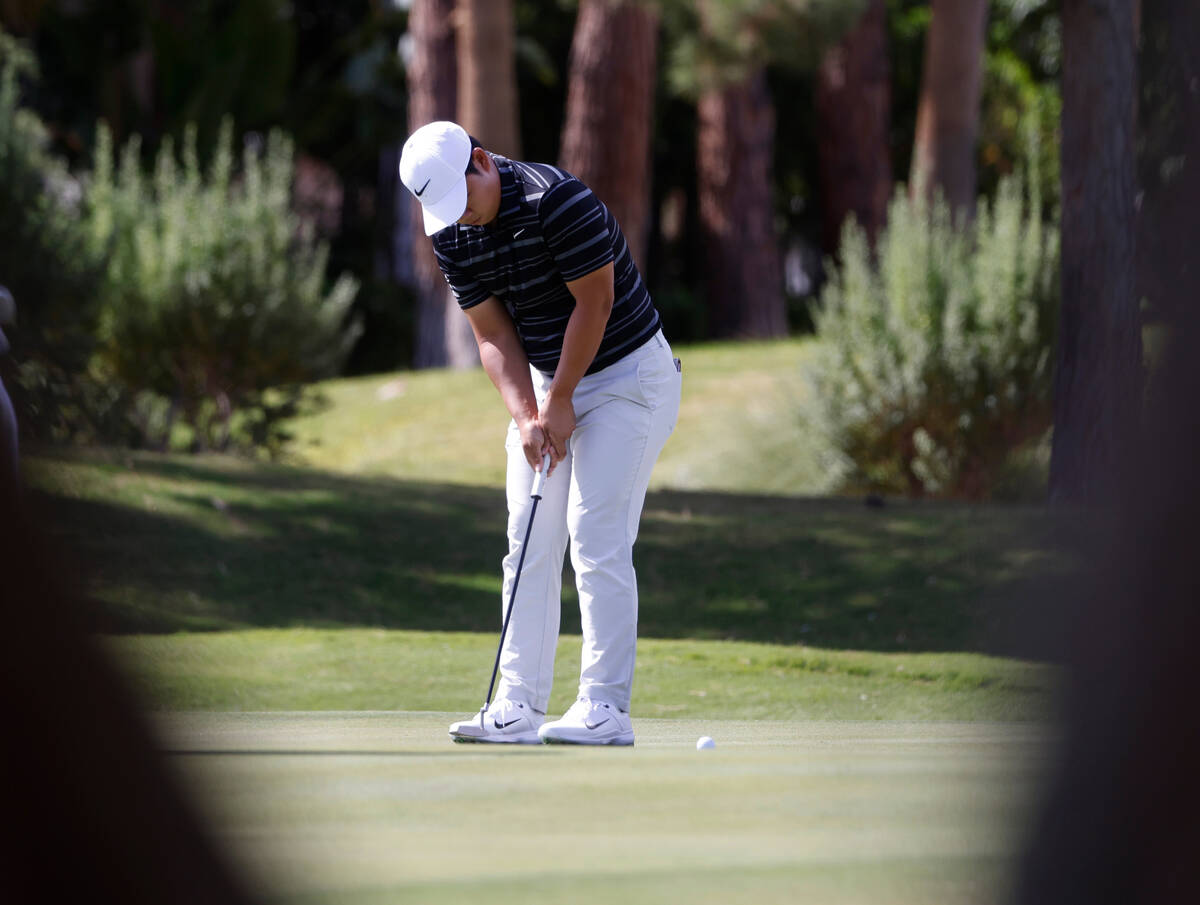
x: 1098, y: 367
x: 948, y: 113
x: 610, y: 110
x: 719, y: 56
x: 854, y: 99
x: 487, y: 108
x: 487, y: 74
x: 432, y: 95
x: 735, y: 145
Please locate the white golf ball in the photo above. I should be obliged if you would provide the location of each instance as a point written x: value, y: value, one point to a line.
x: 704, y: 742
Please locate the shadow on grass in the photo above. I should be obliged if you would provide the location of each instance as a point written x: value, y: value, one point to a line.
x: 168, y: 544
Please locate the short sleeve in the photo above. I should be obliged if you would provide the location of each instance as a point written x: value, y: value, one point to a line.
x: 575, y: 228
x: 468, y: 291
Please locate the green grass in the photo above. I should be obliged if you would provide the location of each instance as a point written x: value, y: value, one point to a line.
x: 173, y: 543
x: 372, y: 669
x: 357, y: 808
x: 369, y: 577
x: 739, y: 425
x: 304, y: 633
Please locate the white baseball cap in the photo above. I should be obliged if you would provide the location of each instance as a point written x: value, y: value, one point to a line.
x: 433, y: 167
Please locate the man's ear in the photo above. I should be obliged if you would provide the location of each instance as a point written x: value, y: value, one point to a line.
x: 481, y: 159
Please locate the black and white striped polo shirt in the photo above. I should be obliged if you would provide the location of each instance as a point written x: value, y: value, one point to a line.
x: 550, y: 230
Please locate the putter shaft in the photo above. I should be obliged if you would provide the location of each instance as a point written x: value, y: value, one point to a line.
x: 535, y: 494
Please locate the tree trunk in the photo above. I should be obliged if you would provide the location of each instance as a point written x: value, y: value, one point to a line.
x: 734, y: 150
x: 1098, y: 382
x: 487, y: 108
x: 610, y: 110
x: 948, y: 112
x: 854, y: 100
x: 432, y: 95
x: 487, y: 74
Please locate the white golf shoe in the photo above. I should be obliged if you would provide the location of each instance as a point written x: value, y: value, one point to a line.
x: 506, y: 722
x: 589, y: 722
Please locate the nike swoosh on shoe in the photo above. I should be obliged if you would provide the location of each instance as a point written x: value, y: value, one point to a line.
x: 591, y: 725
x: 500, y: 725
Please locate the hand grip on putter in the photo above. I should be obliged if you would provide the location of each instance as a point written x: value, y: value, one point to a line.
x: 539, y: 477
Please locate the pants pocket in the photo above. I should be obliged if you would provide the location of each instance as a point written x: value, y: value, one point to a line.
x: 658, y: 380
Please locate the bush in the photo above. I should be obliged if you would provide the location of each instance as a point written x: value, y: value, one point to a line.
x: 215, y: 311
x: 935, y: 358
x: 46, y: 263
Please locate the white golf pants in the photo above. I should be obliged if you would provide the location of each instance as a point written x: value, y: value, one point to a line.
x: 624, y: 415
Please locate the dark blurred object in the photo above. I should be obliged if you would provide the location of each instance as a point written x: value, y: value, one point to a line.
x: 91, y: 811
x: 1098, y: 354
x: 8, y: 419
x: 1120, y: 821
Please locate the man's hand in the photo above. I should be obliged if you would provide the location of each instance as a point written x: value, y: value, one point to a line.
x: 556, y: 417
x: 533, y: 442
x: 593, y: 295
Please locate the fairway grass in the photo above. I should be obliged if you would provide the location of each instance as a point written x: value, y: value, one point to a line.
x: 356, y: 808
x: 178, y: 543
x: 303, y: 634
x: 448, y: 426
x: 375, y: 669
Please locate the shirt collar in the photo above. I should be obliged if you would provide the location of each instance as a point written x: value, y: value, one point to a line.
x: 511, y: 191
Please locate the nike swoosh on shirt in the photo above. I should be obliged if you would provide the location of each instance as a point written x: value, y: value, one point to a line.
x: 518, y: 232
x: 591, y: 725
x: 424, y: 187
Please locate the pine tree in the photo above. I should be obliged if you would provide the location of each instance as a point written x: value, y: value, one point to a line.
x: 607, y: 135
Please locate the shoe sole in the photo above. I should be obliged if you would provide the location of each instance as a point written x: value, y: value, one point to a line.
x: 483, y: 740
x: 624, y: 741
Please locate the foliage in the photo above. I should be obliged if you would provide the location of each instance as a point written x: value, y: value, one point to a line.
x: 151, y: 69
x: 215, y: 309
x: 1020, y: 93
x: 936, y: 355
x: 716, y: 43
x: 44, y: 261
x: 1021, y: 101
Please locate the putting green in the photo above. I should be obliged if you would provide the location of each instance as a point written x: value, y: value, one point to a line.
x: 382, y: 807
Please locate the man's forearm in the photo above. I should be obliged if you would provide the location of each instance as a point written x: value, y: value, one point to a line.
x: 582, y: 339
x: 585, y: 330
x: 505, y: 363
x: 504, y: 359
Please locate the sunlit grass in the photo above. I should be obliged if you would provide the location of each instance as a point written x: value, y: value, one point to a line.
x: 368, y: 669
x: 176, y: 542
x: 739, y: 424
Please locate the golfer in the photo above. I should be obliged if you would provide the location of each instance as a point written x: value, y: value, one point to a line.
x: 568, y: 334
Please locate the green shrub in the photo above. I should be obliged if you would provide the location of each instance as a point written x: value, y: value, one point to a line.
x: 215, y: 309
x: 935, y: 358
x: 46, y: 263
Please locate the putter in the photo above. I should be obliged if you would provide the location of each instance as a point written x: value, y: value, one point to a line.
x: 539, y: 478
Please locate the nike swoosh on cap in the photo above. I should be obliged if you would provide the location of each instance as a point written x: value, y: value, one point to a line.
x: 424, y: 187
